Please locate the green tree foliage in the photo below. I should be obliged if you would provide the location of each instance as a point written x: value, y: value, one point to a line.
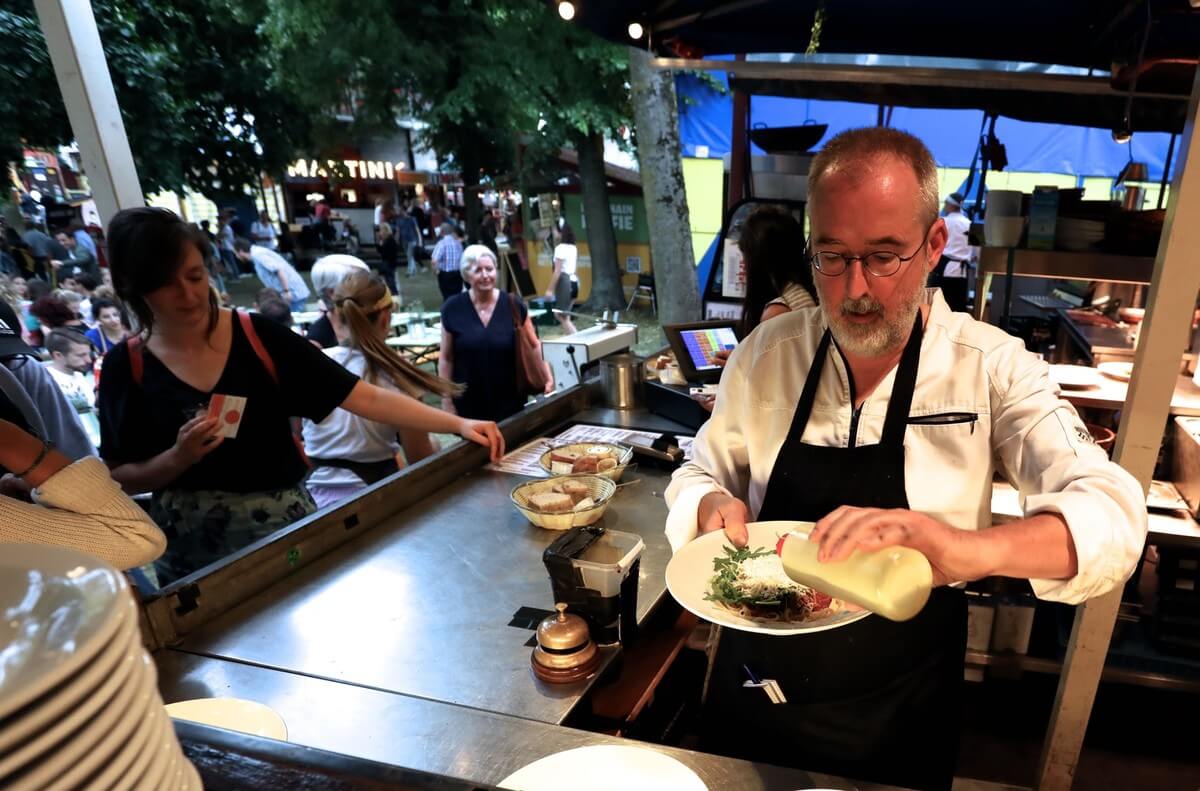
x: 192, y: 80
x: 485, y: 76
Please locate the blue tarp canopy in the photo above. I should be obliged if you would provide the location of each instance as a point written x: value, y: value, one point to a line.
x: 706, y: 118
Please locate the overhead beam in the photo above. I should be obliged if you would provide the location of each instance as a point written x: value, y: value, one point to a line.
x: 911, y: 76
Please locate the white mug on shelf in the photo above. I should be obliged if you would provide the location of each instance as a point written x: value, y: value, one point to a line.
x: 1001, y: 231
x: 1004, y: 203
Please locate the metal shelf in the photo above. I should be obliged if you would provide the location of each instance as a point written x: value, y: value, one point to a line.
x: 1120, y: 675
x: 1065, y: 264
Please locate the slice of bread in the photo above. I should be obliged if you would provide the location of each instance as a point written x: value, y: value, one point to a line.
x: 564, y: 456
x: 551, y: 502
x: 577, y: 490
x: 585, y: 504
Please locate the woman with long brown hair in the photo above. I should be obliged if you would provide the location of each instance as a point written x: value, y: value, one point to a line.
x: 197, y: 406
x: 349, y: 452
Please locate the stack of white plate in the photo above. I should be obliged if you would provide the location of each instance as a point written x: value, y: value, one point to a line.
x: 79, y: 702
x: 1073, y: 234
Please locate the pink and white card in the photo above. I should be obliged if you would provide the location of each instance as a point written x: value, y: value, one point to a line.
x: 228, y: 410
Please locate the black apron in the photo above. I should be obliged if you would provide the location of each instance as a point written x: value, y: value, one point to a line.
x: 874, y: 700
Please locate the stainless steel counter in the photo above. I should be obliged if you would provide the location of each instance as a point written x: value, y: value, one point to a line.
x: 420, y: 604
x: 380, y: 629
x: 459, y: 742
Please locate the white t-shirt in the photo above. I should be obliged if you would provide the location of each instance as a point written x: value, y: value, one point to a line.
x: 569, y: 254
x: 344, y: 435
x: 85, y: 313
x: 264, y: 235
x: 80, y: 391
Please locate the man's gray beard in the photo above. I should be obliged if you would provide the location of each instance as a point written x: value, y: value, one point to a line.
x: 877, y: 339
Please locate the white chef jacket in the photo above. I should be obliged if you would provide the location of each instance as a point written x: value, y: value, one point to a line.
x: 967, y: 368
x: 957, y: 226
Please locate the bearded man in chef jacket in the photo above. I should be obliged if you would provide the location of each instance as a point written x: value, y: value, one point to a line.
x: 882, y: 415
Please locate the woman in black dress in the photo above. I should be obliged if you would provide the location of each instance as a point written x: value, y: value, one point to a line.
x: 479, y: 342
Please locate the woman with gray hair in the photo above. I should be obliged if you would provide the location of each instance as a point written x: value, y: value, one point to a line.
x: 479, y: 342
x: 327, y: 273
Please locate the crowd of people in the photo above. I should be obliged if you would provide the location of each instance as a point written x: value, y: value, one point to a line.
x: 120, y: 363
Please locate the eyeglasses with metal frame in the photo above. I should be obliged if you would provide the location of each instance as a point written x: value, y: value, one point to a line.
x: 881, y: 263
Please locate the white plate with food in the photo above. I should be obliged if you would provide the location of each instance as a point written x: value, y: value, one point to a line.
x: 1075, y: 377
x: 1120, y: 371
x: 603, y: 767
x: 747, y: 589
x: 587, y: 458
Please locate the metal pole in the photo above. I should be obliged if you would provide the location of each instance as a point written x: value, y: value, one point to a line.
x: 87, y: 91
x: 1166, y: 176
x: 1173, y: 290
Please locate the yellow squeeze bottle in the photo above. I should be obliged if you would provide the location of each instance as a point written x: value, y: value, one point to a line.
x: 894, y: 582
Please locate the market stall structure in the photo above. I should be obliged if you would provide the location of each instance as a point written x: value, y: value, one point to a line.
x: 332, y: 614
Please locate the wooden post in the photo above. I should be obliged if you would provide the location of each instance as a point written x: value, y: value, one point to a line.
x: 739, y: 156
x: 87, y: 91
x: 1173, y: 291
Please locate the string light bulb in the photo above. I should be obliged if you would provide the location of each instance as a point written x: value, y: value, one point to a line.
x: 566, y: 10
x: 635, y: 30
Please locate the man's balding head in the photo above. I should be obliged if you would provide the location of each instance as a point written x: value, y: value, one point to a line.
x: 857, y: 151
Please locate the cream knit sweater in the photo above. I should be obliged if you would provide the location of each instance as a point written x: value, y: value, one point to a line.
x: 83, y: 508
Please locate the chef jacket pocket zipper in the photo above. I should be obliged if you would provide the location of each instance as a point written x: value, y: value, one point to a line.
x: 945, y: 419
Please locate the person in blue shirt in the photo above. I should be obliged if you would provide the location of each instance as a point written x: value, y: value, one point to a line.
x: 112, y: 325
x: 83, y: 238
x: 275, y: 272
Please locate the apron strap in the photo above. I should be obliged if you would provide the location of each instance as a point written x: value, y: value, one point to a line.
x: 902, y: 392
x: 809, y: 395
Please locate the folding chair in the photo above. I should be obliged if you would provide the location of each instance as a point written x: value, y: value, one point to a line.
x: 644, y: 290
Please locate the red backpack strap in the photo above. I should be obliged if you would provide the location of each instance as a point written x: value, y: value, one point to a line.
x: 137, y: 363
x: 261, y: 352
x: 256, y: 343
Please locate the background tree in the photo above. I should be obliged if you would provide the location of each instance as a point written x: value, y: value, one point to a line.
x: 654, y: 101
x: 484, y: 76
x: 191, y: 80
x: 584, y: 101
